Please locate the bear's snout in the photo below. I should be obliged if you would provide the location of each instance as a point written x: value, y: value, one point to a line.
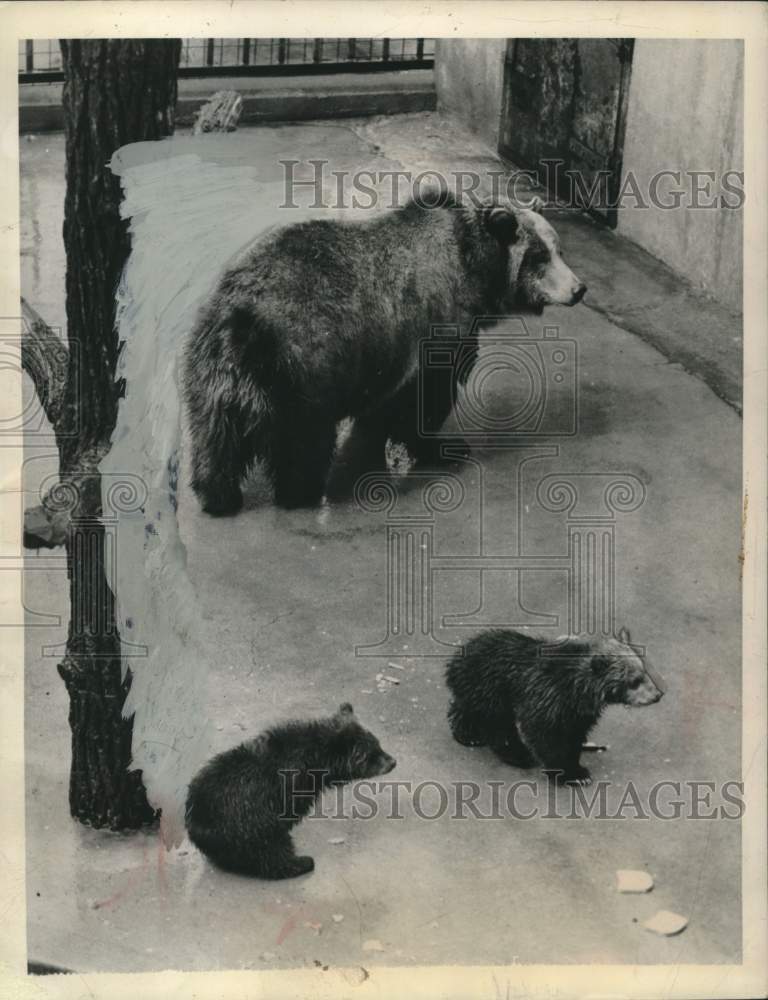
x: 387, y: 763
x: 578, y: 293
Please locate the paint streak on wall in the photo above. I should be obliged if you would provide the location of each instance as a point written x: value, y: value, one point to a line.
x: 188, y: 215
x: 193, y: 203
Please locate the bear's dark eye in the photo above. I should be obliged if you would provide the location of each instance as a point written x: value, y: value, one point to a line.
x: 636, y: 682
x: 538, y: 258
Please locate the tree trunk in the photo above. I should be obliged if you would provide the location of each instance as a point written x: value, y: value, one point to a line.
x: 115, y: 92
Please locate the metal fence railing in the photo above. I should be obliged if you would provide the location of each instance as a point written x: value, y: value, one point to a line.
x: 40, y: 59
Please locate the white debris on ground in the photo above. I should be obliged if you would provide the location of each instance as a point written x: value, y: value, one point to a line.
x: 373, y: 945
x: 666, y: 923
x: 629, y: 880
x: 385, y: 681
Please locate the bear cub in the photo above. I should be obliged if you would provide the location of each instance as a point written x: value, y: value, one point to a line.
x: 243, y: 803
x: 533, y: 700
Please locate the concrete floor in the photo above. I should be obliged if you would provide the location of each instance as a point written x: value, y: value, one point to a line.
x: 289, y: 596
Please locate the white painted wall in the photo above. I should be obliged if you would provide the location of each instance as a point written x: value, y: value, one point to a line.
x: 469, y: 76
x: 686, y: 113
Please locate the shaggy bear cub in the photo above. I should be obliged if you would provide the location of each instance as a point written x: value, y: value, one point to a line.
x: 534, y: 700
x: 242, y: 804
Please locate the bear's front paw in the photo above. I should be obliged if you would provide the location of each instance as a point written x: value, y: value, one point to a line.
x: 584, y: 780
x: 577, y: 776
x: 573, y: 776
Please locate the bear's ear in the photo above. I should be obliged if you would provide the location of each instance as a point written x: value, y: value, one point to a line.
x: 599, y: 664
x: 501, y: 223
x: 537, y: 205
x: 345, y: 710
x: 623, y: 636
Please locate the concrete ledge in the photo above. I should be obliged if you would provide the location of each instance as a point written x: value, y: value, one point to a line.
x: 267, y: 99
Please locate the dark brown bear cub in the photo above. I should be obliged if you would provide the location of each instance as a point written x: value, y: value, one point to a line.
x: 242, y: 805
x: 534, y: 700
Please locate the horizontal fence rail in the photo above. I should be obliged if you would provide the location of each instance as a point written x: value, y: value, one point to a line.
x: 40, y: 59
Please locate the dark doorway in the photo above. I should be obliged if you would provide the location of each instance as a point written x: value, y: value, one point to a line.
x: 565, y: 99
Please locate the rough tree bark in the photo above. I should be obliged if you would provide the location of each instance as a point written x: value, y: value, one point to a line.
x: 115, y: 92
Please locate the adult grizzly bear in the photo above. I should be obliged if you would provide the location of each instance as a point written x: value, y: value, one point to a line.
x: 322, y: 320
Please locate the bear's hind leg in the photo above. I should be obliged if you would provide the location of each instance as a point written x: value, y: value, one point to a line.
x: 467, y: 727
x: 269, y: 857
x: 281, y: 861
x: 225, y: 424
x: 218, y: 466
x: 559, y: 754
x: 511, y: 750
x: 301, y: 458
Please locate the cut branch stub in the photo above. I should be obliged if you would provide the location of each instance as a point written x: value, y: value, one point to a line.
x: 45, y: 358
x: 220, y: 114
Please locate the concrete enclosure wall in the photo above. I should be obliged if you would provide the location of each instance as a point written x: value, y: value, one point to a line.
x: 686, y: 113
x: 469, y: 76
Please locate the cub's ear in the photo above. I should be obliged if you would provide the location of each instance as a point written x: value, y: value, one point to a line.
x: 345, y: 709
x: 623, y: 636
x: 537, y: 205
x: 599, y: 664
x: 501, y: 223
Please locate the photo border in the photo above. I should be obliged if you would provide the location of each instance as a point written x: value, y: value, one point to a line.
x: 332, y: 18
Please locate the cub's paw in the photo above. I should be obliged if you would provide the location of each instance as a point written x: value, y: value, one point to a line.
x: 578, y: 776
x: 304, y: 864
x: 573, y: 776
x: 516, y: 756
x: 467, y: 737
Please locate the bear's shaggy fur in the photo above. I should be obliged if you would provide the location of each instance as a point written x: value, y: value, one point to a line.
x: 532, y: 700
x: 242, y: 805
x: 323, y: 320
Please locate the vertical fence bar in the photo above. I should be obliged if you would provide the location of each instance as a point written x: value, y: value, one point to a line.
x: 29, y: 52
x: 419, y: 48
x: 281, y: 51
x: 317, y: 50
x: 209, y: 52
x: 246, y: 51
x: 351, y: 49
x: 385, y: 50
